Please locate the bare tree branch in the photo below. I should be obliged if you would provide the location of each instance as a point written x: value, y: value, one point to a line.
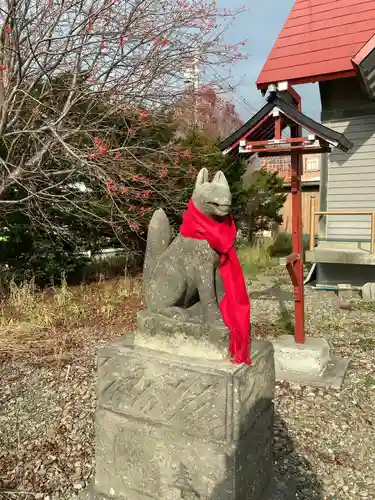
x: 70, y: 69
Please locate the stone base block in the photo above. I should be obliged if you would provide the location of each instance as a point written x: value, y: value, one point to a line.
x: 147, y: 461
x: 310, y: 363
x: 368, y: 292
x: 154, y: 324
x: 171, y: 427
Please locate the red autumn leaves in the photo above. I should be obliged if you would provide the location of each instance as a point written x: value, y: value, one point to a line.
x: 160, y: 42
x: 137, y: 195
x: 101, y: 146
x: 137, y: 191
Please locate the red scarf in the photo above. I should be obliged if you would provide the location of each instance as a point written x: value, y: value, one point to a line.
x: 235, y: 305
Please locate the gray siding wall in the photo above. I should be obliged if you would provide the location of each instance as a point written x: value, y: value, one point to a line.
x: 351, y: 176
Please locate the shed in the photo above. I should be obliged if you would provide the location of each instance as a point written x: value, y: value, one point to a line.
x: 333, y: 42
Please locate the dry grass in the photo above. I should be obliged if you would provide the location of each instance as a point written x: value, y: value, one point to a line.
x: 255, y: 258
x: 53, y: 322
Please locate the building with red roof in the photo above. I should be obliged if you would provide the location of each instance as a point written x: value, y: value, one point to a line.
x: 332, y: 42
x: 320, y: 41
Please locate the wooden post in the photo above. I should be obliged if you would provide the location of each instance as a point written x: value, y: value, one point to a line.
x: 297, y: 246
x: 372, y: 242
x: 278, y: 127
x: 312, y: 222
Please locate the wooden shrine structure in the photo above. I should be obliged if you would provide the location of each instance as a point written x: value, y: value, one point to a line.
x: 263, y: 135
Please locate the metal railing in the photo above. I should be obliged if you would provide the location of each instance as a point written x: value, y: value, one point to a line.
x: 314, y: 214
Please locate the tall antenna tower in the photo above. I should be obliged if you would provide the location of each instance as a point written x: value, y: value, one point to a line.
x: 192, y: 75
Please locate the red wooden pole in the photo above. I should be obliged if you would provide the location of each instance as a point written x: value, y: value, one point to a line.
x: 297, y: 245
x: 278, y: 128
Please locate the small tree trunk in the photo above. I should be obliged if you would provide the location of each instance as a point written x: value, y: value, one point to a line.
x: 250, y: 230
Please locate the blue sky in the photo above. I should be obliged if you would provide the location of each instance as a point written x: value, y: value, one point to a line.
x: 261, y: 24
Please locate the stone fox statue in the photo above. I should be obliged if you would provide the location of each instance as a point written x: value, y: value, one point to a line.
x: 181, y: 276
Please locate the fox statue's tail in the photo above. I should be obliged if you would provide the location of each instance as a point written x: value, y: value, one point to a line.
x: 159, y: 238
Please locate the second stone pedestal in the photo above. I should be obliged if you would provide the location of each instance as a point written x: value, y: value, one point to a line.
x: 308, y: 364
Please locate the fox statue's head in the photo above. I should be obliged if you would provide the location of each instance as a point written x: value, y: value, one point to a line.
x: 212, y: 198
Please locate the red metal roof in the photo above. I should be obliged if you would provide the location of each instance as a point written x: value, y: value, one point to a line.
x: 318, y: 41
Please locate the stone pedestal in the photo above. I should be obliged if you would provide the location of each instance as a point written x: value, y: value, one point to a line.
x: 171, y: 427
x: 368, y: 292
x: 154, y: 324
x: 308, y: 364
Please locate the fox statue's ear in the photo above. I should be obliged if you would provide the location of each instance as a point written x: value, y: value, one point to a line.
x: 220, y: 178
x: 202, y: 177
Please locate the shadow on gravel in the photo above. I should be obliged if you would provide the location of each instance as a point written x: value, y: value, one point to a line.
x: 273, y: 292
x: 289, y: 464
x: 264, y: 464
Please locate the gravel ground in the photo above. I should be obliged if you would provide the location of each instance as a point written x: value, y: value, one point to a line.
x: 324, y: 439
